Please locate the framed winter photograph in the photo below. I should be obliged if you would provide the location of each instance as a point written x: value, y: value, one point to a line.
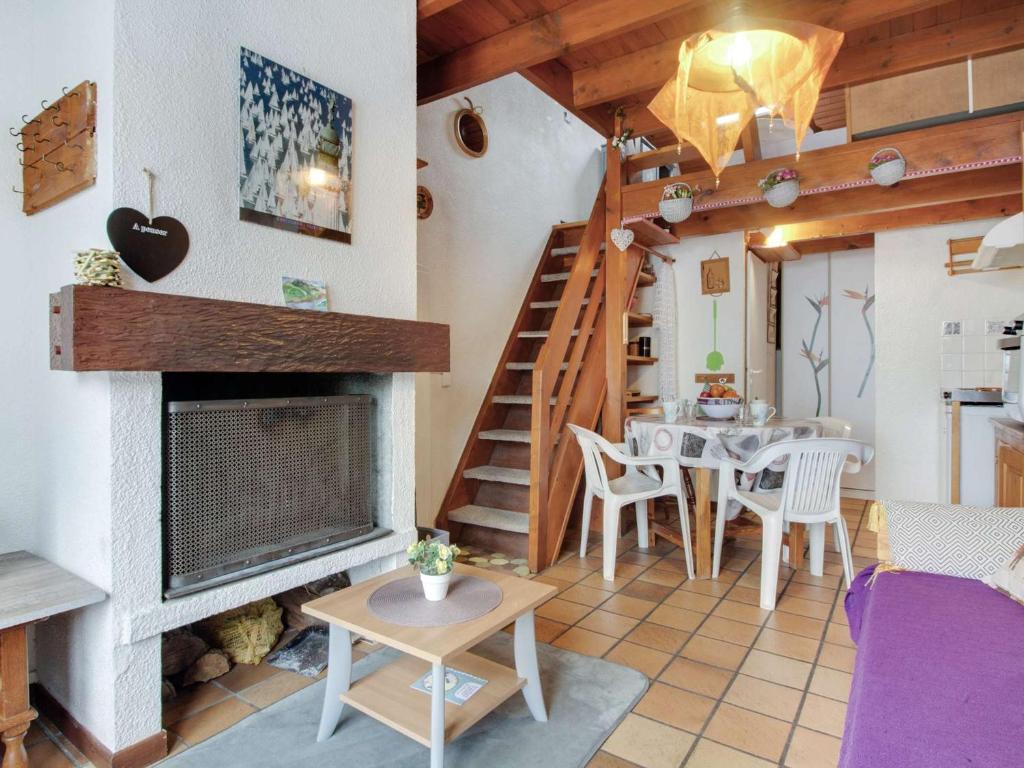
x: 295, y: 163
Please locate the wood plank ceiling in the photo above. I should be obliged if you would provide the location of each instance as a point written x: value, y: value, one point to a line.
x: 594, y: 56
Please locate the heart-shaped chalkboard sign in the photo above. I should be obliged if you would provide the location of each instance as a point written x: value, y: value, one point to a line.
x: 152, y: 249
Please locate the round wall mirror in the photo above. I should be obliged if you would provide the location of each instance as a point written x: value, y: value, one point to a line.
x: 470, y: 130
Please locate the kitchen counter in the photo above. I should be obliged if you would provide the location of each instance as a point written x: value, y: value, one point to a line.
x: 1009, y: 449
x: 1010, y: 432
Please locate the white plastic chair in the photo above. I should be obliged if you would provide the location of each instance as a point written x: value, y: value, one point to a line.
x: 834, y: 427
x: 809, y: 495
x: 640, y: 483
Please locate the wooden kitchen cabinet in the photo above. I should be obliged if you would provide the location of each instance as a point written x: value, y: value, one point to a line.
x: 1009, y: 463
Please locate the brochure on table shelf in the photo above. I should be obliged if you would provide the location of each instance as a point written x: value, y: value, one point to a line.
x: 459, y: 686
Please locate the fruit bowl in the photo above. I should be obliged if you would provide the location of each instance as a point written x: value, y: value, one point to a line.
x: 720, y: 407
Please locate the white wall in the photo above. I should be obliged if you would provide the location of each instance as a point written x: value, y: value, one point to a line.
x: 914, y: 296
x: 477, y: 252
x: 168, y: 75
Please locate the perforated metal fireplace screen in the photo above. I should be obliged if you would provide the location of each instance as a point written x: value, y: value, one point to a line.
x: 253, y: 484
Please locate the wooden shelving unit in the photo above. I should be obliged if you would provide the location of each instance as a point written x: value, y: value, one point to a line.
x: 638, y: 360
x: 646, y: 279
x: 640, y: 320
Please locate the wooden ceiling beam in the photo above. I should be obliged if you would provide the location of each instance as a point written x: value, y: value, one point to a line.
x: 998, y: 182
x: 650, y: 68
x: 926, y: 149
x: 808, y: 232
x: 555, y: 80
x: 584, y: 22
x: 427, y: 8
x: 836, y: 244
x: 956, y: 41
x: 672, y: 155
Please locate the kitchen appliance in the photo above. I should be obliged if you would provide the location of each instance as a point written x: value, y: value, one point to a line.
x: 1013, y: 374
x: 970, y: 445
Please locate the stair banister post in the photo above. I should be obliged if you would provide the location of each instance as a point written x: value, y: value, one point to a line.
x: 540, y: 461
x: 612, y: 423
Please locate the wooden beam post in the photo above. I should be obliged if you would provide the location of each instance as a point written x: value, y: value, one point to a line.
x: 615, y: 298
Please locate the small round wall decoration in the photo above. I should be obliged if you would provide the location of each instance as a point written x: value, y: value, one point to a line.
x: 424, y: 202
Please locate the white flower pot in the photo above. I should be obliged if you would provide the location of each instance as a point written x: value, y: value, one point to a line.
x: 782, y: 194
x: 676, y: 209
x: 435, y: 587
x: 887, y: 174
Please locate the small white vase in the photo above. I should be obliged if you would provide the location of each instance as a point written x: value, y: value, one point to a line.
x: 783, y: 194
x: 435, y: 588
x: 887, y: 174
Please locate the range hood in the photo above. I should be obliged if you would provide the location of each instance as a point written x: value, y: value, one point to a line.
x: 1003, y: 246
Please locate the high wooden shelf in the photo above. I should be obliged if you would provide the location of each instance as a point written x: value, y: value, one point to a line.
x: 640, y: 320
x: 638, y: 360
x: 112, y: 329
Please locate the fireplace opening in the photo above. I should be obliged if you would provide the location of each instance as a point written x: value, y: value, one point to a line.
x: 261, y: 471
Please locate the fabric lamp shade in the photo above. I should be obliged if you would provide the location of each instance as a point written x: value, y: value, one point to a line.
x: 727, y: 73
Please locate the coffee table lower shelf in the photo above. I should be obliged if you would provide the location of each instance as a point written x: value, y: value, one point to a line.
x: 386, y: 695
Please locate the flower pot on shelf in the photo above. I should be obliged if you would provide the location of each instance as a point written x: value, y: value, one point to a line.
x: 783, y: 193
x: 887, y: 166
x: 435, y: 588
x: 676, y: 203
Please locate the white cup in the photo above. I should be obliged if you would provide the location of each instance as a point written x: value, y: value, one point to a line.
x: 671, y: 409
x: 761, y: 412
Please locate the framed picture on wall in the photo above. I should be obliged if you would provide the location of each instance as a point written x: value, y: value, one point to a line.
x: 774, y: 270
x: 295, y: 162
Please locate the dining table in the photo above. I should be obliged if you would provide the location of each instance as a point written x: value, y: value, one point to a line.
x: 701, y: 444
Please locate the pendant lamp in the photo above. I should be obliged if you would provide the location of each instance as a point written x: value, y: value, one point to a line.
x: 727, y: 73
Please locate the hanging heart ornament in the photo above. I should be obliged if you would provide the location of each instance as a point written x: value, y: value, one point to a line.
x: 623, y: 238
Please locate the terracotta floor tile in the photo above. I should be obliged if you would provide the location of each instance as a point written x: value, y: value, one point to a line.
x: 749, y: 614
x: 35, y: 735
x: 568, y: 573
x: 585, y: 595
x: 809, y: 592
x: 671, y: 565
x: 764, y: 697
x: 589, y: 563
x: 608, y: 623
x: 46, y: 754
x: 809, y: 749
x: 213, y: 720
x: 831, y: 683
x: 750, y: 581
x: 275, y: 688
x: 749, y: 731
x: 547, y: 630
x: 677, y: 618
x: 641, y: 658
x: 564, y: 611
x: 745, y: 595
x: 631, y: 570
x: 246, y: 675
x: 805, y: 577
x: 659, y: 637
x: 597, y: 581
x: 638, y: 558
x: 786, y: 644
x: 560, y: 583
x: 796, y: 625
x: 839, y: 634
x: 728, y: 630
x: 711, y: 754
x: 175, y: 744
x: 839, y: 617
x: 837, y: 657
x: 716, y: 588
x: 648, y: 743
x: 664, y: 578
x: 193, y: 699
x: 697, y: 677
x: 584, y: 641
x: 714, y: 652
x: 691, y: 601
x: 607, y: 760
x: 676, y: 707
x: 628, y: 606
x: 645, y: 590
x: 776, y: 669
x: 825, y: 715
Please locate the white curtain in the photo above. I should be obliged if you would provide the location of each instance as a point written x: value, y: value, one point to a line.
x: 665, y: 317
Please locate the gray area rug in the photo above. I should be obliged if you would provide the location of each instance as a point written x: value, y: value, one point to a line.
x: 586, y: 699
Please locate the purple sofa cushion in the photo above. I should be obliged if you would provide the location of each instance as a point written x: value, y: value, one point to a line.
x: 939, y: 677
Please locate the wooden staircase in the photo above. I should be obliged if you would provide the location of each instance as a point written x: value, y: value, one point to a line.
x: 514, y: 487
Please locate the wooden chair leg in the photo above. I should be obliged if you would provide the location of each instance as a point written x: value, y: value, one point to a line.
x: 14, y: 747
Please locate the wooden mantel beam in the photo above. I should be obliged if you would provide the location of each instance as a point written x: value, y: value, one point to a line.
x: 584, y: 22
x: 926, y: 150
x: 649, y: 68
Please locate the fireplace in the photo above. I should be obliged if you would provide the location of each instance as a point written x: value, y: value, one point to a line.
x: 258, y: 483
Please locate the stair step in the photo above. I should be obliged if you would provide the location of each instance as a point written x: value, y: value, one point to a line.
x: 558, y: 277
x: 569, y: 250
x: 492, y: 517
x: 646, y: 278
x: 541, y: 334
x: 551, y: 304
x: 529, y: 366
x: 509, y: 435
x: 515, y: 400
x: 498, y: 474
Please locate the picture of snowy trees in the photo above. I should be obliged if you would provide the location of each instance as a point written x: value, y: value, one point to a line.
x: 295, y: 164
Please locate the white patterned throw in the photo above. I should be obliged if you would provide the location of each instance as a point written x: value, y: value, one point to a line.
x: 951, y: 539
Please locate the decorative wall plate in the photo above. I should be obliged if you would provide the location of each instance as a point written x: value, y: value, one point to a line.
x: 424, y: 203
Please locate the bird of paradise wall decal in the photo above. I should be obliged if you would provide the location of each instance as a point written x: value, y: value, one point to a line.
x: 817, y: 360
x: 868, y: 300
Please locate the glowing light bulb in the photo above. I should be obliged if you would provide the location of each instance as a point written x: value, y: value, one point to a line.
x: 740, y: 52
x: 729, y: 119
x: 776, y: 238
x: 317, y: 177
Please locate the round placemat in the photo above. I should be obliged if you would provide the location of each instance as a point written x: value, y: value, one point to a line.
x: 402, y: 602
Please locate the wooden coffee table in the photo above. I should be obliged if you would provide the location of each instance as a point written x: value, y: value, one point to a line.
x: 386, y: 694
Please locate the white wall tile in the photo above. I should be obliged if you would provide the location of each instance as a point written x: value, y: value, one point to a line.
x: 951, y: 362
x: 974, y: 344
x: 952, y: 345
x: 951, y: 380
x: 974, y: 362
